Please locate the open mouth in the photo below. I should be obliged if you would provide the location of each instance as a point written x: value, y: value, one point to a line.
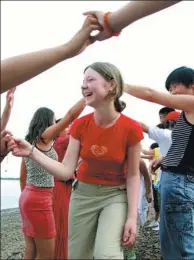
x: 89, y: 94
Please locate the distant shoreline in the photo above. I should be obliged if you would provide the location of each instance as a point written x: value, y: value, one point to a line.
x: 10, y: 179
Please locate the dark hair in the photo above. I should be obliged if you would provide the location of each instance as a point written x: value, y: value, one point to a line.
x: 166, y: 110
x: 169, y: 124
x: 182, y: 75
x: 154, y: 145
x: 110, y: 72
x: 119, y: 105
x: 42, y: 119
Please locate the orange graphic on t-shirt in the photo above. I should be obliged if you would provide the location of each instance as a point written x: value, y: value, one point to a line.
x: 98, y: 150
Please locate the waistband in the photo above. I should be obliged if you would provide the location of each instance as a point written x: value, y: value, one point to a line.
x: 97, y: 189
x: 177, y: 170
x: 35, y: 188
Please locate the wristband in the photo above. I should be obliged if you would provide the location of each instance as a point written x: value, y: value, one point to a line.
x: 107, y: 26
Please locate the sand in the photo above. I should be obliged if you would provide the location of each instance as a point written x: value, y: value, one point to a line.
x: 12, y: 244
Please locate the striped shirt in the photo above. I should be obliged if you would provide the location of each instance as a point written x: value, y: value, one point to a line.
x: 180, y: 157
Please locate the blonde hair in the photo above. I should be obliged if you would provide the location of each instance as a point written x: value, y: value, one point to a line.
x: 110, y: 72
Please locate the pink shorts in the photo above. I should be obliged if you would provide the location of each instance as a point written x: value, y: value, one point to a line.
x: 37, y: 212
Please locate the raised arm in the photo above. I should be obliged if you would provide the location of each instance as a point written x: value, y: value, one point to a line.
x: 7, y: 109
x: 3, y: 144
x: 53, y: 131
x: 134, y: 11
x: 126, y: 15
x: 16, y: 70
x: 180, y: 102
x: 63, y: 171
x: 145, y: 127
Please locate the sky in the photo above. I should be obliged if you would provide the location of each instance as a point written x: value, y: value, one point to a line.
x: 145, y: 52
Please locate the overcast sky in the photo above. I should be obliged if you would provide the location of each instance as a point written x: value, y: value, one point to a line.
x: 145, y: 52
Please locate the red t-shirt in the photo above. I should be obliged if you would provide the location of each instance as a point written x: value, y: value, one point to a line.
x: 104, y: 150
x: 60, y: 146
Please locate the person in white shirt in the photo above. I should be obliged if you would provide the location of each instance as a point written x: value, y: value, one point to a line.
x: 162, y: 135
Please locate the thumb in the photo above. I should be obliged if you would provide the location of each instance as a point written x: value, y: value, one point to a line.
x: 17, y: 140
x: 92, y: 39
x: 90, y: 13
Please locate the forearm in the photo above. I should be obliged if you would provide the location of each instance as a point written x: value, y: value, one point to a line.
x: 5, y: 117
x: 148, y: 157
x: 76, y: 110
x: 55, y: 168
x: 133, y: 186
x: 134, y: 11
x: 148, y: 181
x: 16, y: 70
x: 144, y: 127
x: 144, y: 93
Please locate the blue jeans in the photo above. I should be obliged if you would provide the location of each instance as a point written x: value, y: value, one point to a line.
x: 177, y: 216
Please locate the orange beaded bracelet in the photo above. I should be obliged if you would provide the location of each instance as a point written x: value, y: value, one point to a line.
x: 107, y: 26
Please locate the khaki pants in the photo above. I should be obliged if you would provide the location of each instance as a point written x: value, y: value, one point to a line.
x: 97, y: 216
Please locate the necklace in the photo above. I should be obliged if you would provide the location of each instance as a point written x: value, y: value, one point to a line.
x: 106, y: 125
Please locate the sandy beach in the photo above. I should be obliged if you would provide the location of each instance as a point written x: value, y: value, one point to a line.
x: 12, y: 245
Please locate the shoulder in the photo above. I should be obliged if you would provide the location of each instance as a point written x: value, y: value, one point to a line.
x: 132, y: 128
x: 79, y: 125
x: 130, y: 123
x: 82, y: 120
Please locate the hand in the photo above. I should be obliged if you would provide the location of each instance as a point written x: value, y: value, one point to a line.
x: 103, y: 34
x: 82, y: 38
x: 19, y: 147
x: 10, y: 98
x: 129, y: 234
x: 154, y: 164
x: 4, y: 143
x: 149, y: 196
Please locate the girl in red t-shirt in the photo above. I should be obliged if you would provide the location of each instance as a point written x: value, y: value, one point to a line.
x: 103, y: 204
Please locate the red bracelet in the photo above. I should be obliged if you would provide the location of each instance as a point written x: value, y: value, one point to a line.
x: 107, y: 26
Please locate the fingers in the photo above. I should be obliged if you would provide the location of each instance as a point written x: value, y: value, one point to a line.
x: 11, y: 145
x: 90, y: 13
x: 5, y: 132
x: 130, y: 241
x: 93, y: 23
x: 11, y: 91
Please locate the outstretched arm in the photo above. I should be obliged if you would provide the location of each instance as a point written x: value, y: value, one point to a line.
x: 126, y: 15
x: 16, y: 70
x: 145, y: 127
x: 134, y: 11
x: 63, y: 171
x: 53, y: 131
x: 180, y: 102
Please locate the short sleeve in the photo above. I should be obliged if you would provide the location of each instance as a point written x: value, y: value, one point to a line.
x: 75, y: 130
x: 155, y: 133
x: 158, y: 134
x: 136, y: 134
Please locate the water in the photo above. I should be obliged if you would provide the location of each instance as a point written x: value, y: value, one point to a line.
x: 10, y: 192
